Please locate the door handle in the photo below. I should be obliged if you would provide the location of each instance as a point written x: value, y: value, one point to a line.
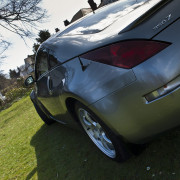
x: 49, y: 85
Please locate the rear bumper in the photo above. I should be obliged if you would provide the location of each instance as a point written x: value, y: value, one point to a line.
x: 127, y: 114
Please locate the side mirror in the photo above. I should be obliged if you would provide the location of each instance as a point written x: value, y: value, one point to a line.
x: 30, y: 80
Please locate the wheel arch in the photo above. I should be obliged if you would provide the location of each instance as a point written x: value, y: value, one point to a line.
x: 70, y: 105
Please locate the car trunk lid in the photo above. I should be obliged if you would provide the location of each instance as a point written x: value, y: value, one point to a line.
x: 143, y: 22
x: 105, y: 17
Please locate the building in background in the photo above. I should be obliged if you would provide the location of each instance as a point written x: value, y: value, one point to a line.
x: 81, y: 13
x: 28, y: 67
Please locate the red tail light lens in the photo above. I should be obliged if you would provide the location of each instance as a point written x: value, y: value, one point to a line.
x: 127, y: 54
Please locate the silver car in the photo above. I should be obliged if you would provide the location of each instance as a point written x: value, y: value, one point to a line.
x: 115, y: 72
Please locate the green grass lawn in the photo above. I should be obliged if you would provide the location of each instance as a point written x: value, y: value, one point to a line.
x: 31, y: 150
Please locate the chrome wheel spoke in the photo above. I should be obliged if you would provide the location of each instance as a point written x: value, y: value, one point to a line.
x: 88, y: 121
x: 96, y: 133
x: 85, y: 119
x: 88, y: 118
x: 106, y: 142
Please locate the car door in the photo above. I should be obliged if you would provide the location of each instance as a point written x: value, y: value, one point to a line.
x: 42, y: 77
x: 55, y: 85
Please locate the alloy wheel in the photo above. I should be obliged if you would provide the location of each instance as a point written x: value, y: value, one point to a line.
x: 96, y: 133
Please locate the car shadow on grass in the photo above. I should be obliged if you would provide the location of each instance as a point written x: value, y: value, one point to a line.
x: 64, y: 153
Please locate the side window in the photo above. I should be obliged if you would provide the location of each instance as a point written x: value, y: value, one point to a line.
x: 52, y: 59
x: 41, y: 62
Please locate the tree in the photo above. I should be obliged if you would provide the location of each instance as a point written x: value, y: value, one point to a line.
x: 92, y: 4
x: 66, y: 22
x: 43, y: 35
x: 4, y: 81
x: 3, y: 47
x: 14, y: 73
x: 35, y: 47
x: 57, y: 30
x: 20, y: 17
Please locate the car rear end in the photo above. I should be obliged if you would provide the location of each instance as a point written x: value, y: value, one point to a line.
x: 150, y: 104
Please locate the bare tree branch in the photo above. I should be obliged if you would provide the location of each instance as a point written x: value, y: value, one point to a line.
x: 4, y: 45
x: 20, y: 17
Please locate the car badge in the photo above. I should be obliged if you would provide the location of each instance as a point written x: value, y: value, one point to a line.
x: 164, y: 21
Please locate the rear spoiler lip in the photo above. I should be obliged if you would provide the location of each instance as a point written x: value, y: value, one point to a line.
x: 145, y: 16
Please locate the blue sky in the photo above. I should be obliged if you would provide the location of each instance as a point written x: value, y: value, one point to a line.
x: 58, y: 11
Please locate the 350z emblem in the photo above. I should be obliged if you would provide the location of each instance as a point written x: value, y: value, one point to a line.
x: 164, y: 21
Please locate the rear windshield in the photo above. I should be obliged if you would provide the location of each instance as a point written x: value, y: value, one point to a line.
x: 103, y: 17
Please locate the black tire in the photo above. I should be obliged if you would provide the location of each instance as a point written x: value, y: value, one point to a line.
x: 43, y: 116
x: 100, y: 134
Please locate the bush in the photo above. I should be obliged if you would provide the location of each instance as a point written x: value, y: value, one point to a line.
x: 1, y: 103
x: 14, y: 92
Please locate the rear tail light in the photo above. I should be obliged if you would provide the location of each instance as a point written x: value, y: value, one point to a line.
x: 127, y: 54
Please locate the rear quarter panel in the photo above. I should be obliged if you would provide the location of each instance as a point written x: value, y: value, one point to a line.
x: 96, y: 81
